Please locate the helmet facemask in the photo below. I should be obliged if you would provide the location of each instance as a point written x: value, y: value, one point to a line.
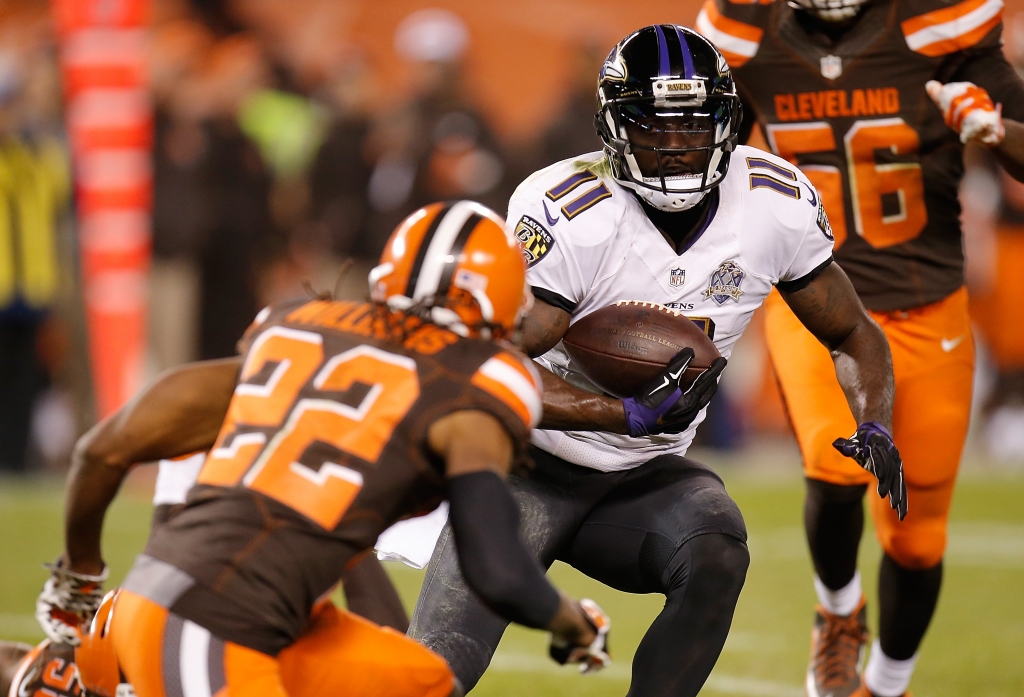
x: 671, y: 154
x: 668, y: 115
x: 830, y: 10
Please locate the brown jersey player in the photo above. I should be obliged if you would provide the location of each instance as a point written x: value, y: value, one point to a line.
x: 347, y: 417
x: 171, y: 418
x: 45, y: 670
x: 868, y: 97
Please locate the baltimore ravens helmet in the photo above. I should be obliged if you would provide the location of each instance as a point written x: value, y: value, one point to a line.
x: 668, y: 115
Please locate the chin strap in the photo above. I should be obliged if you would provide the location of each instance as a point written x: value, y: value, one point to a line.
x: 666, y: 202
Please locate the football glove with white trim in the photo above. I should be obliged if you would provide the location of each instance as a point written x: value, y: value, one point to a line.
x: 590, y: 658
x: 68, y: 601
x: 968, y: 110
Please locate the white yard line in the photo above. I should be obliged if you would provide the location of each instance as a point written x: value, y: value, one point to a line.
x: 971, y: 544
x: 751, y: 686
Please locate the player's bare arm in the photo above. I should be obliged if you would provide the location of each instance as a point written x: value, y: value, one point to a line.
x: 478, y: 454
x: 1011, y: 151
x: 829, y: 307
x: 566, y: 408
x: 179, y: 413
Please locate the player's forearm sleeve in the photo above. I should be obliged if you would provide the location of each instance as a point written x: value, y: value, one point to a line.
x: 493, y: 559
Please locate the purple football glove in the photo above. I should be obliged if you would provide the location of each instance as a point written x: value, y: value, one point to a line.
x: 663, y: 407
x: 873, y: 449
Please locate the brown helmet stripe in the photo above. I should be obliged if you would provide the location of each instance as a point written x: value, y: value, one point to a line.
x: 421, y: 253
x: 453, y: 256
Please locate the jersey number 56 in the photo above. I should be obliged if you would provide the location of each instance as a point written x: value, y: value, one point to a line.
x: 871, y: 182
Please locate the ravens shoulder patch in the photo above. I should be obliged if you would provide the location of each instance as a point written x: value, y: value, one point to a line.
x: 534, y: 238
x: 823, y: 223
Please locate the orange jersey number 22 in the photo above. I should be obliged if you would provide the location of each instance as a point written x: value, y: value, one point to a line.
x: 293, y: 358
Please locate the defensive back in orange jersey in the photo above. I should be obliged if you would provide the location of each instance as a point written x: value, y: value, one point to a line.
x: 322, y: 449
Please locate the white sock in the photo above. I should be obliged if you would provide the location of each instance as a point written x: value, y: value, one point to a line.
x: 843, y: 601
x: 887, y: 677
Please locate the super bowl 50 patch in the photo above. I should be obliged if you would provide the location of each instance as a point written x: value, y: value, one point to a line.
x: 823, y: 224
x: 725, y: 283
x: 536, y: 241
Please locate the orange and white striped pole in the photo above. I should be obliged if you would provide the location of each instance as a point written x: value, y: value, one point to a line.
x: 103, y: 47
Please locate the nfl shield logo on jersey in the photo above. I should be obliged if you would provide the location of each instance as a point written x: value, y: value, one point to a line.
x: 676, y: 277
x: 831, y: 67
x: 725, y: 283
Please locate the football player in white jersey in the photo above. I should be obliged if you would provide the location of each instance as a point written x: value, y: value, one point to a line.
x: 671, y: 212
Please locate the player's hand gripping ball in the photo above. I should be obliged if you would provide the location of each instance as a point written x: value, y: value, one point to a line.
x: 68, y: 601
x: 874, y: 450
x: 594, y: 656
x: 665, y: 405
x: 969, y: 111
x: 623, y: 347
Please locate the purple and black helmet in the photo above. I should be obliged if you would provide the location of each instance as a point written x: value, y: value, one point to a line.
x: 660, y: 73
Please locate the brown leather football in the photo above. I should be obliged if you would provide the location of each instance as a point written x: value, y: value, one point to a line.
x: 622, y: 347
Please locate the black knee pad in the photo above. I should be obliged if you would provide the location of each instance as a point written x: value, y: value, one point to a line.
x: 717, y: 563
x: 705, y: 510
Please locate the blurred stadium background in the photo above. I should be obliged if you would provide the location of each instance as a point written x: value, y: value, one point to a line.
x: 168, y: 167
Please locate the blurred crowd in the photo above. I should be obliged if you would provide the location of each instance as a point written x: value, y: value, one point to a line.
x: 270, y: 170
x: 282, y: 161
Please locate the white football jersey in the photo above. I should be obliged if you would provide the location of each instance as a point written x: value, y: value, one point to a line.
x: 174, y: 478
x: 589, y: 244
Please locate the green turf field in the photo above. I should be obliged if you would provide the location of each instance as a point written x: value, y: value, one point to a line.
x: 974, y: 647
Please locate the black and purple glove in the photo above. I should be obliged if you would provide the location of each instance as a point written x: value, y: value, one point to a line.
x: 873, y: 449
x: 663, y: 407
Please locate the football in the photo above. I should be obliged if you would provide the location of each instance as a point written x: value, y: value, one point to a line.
x: 622, y: 347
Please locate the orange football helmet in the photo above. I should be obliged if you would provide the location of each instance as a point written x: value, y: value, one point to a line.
x: 460, y: 265
x: 95, y: 656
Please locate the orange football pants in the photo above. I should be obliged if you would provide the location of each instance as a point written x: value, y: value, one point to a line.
x: 338, y: 654
x: 933, y: 364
